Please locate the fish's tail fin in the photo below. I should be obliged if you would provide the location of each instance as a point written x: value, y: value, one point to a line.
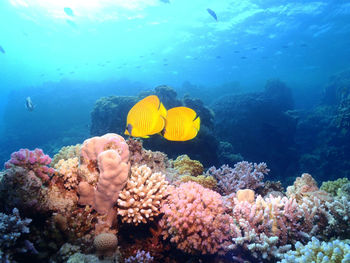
x: 197, y: 123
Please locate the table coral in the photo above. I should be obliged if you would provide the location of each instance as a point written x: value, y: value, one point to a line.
x: 195, y: 220
x: 140, y: 200
x: 35, y: 161
x: 319, y: 252
x: 243, y: 175
x: 184, y: 165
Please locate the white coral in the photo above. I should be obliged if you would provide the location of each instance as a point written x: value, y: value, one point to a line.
x: 141, y: 198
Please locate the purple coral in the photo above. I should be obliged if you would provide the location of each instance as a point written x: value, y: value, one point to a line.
x: 243, y: 175
x: 140, y: 257
x: 35, y: 160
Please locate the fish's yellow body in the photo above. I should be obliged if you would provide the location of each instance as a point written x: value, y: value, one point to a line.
x: 182, y: 124
x: 146, y: 117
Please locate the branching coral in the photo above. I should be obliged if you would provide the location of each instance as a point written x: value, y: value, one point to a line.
x: 35, y: 161
x: 11, y: 229
x: 140, y: 257
x: 195, y: 220
x: 184, y: 165
x: 267, y: 226
x: 318, y: 252
x: 68, y: 170
x: 333, y: 186
x: 140, y: 200
x: 243, y: 175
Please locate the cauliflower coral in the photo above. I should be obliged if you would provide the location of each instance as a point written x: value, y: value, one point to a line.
x: 194, y: 218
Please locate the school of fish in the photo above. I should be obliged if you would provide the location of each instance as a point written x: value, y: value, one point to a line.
x: 149, y: 116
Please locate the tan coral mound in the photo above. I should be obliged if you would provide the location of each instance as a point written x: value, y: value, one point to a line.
x: 205, y: 181
x: 106, y: 244
x: 66, y: 153
x: 140, y: 200
x: 184, y: 165
x: 68, y: 170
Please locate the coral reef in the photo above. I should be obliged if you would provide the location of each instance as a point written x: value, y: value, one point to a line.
x: 333, y: 186
x: 68, y: 169
x: 35, y: 161
x: 184, y: 165
x: 65, y: 153
x: 106, y: 244
x: 205, y: 181
x: 11, y: 228
x: 243, y: 175
x: 318, y: 252
x: 195, y: 219
x: 107, y: 155
x: 140, y: 257
x: 140, y: 200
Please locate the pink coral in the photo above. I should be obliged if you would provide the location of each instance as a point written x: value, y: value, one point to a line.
x: 194, y: 218
x: 35, y: 161
x: 108, y: 157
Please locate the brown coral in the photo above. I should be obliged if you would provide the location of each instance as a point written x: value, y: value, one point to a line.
x: 184, y: 165
x: 66, y: 153
x: 68, y: 171
x: 140, y: 200
x: 205, y: 181
x: 106, y: 244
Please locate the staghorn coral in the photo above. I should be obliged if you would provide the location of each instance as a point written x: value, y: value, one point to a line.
x: 184, y: 165
x: 319, y: 252
x: 141, y: 256
x: 195, y: 220
x: 333, y: 186
x: 306, y: 186
x: 108, y: 158
x: 268, y: 226
x: 68, y: 170
x: 35, y: 161
x: 65, y: 153
x: 140, y: 200
x: 243, y: 175
x: 338, y: 213
x: 205, y: 181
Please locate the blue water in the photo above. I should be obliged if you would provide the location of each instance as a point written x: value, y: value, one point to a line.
x: 66, y: 61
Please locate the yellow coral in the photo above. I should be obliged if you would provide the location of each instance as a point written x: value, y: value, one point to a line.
x: 333, y: 186
x: 141, y: 198
x: 184, y: 165
x: 65, y: 153
x: 205, y: 181
x: 68, y: 170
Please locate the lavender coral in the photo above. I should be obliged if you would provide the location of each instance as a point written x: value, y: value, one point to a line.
x: 140, y: 257
x: 195, y: 219
x: 243, y: 175
x: 35, y: 161
x: 11, y: 228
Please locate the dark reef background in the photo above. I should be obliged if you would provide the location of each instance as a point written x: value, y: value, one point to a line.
x: 276, y: 123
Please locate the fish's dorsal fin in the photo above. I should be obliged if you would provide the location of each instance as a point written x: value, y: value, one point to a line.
x: 197, y: 123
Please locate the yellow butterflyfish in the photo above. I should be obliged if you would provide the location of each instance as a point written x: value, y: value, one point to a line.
x: 146, y: 117
x: 182, y: 124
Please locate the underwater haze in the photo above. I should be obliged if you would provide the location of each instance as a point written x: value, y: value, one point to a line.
x: 174, y: 131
